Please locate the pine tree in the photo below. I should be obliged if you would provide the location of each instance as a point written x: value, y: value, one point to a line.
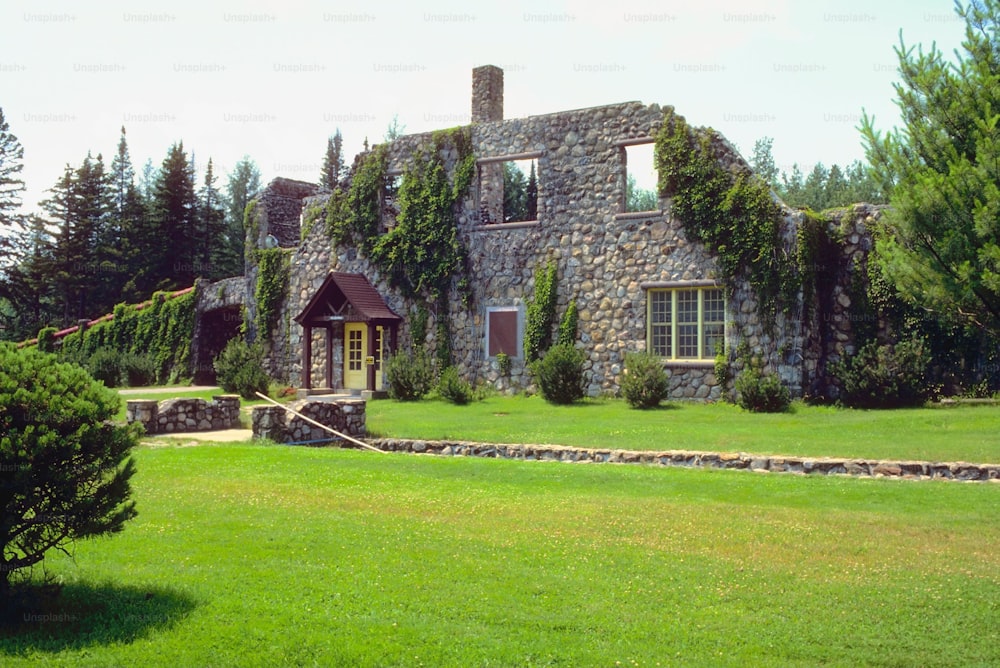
x: 532, y: 193
x: 333, y: 162
x: 173, y: 212
x: 941, y: 238
x: 762, y: 161
x: 11, y: 184
x: 243, y: 183
x: 212, y: 227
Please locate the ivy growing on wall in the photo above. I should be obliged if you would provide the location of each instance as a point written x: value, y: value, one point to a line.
x: 355, y: 217
x: 541, y: 313
x: 731, y: 211
x: 423, y: 252
x: 161, y: 329
x: 273, y: 270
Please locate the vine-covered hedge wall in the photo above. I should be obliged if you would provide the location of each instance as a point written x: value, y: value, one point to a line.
x: 161, y: 329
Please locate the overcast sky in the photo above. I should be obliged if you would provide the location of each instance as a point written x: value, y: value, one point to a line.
x: 273, y: 80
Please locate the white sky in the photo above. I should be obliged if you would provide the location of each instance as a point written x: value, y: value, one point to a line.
x: 273, y: 80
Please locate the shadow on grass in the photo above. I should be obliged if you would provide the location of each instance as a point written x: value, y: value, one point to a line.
x: 44, y: 618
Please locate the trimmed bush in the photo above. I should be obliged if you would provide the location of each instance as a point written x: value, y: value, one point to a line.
x: 645, y: 382
x: 47, y: 339
x: 454, y: 388
x: 410, y: 377
x: 560, y: 374
x: 105, y: 365
x: 239, y: 369
x: 139, y: 370
x: 884, y: 376
x: 761, y: 393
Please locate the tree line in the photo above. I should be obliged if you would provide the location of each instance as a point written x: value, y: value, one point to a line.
x: 104, y: 236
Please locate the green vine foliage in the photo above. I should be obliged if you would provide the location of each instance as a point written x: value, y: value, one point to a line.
x: 162, y: 329
x: 541, y: 313
x: 356, y: 217
x: 272, y: 286
x: 732, y: 212
x: 569, y: 324
x: 423, y: 253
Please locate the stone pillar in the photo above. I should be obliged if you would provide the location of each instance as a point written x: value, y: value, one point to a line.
x: 268, y: 422
x: 227, y: 411
x: 487, y: 94
x: 143, y: 411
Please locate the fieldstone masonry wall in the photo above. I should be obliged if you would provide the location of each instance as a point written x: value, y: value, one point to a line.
x: 181, y: 415
x: 276, y: 424
x: 913, y: 470
x: 608, y: 260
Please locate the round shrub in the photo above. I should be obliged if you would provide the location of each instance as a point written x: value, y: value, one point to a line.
x: 65, y: 462
x: 454, y: 388
x: 645, y: 382
x: 761, y: 393
x: 139, y: 369
x: 884, y: 376
x: 239, y: 369
x: 560, y: 374
x: 410, y: 377
x: 105, y: 365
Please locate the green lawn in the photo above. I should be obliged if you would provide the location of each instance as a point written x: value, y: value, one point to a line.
x: 257, y: 555
x: 958, y: 433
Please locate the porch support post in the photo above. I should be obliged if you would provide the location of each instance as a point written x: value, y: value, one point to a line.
x: 306, y: 357
x: 329, y: 357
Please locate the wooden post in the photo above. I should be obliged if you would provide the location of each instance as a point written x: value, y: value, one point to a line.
x: 307, y: 339
x: 329, y: 357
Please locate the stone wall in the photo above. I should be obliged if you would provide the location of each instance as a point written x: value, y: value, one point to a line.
x: 276, y: 424
x: 914, y: 470
x: 181, y: 415
x: 608, y: 260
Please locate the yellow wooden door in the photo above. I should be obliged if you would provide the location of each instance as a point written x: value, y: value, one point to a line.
x: 356, y: 354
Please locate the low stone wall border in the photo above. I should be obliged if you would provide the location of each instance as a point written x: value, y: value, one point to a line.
x: 902, y: 469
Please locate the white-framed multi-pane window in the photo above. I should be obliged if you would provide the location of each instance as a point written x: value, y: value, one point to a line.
x: 685, y: 323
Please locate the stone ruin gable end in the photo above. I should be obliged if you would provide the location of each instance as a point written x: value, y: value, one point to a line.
x: 607, y: 260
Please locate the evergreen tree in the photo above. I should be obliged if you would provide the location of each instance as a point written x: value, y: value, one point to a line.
x: 762, y: 161
x: 333, y: 162
x: 11, y: 184
x: 941, y: 239
x: 515, y: 195
x: 174, y: 214
x: 243, y: 183
x: 532, y: 193
x: 212, y: 227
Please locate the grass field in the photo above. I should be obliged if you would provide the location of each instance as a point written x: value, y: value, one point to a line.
x: 959, y: 433
x: 256, y: 555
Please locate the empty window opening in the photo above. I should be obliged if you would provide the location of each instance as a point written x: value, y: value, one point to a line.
x: 508, y: 190
x: 641, y: 189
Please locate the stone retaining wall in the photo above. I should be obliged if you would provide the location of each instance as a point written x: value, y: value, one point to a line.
x: 275, y: 423
x: 180, y: 415
x: 692, y: 459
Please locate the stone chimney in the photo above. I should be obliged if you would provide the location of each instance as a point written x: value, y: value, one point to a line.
x: 487, y: 94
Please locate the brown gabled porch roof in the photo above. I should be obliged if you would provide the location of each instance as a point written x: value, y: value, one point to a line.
x: 347, y: 298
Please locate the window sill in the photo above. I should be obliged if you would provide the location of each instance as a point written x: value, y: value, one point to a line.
x: 639, y: 215
x: 487, y: 227
x: 689, y: 364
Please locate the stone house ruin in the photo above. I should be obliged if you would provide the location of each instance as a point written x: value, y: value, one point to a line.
x: 638, y: 279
